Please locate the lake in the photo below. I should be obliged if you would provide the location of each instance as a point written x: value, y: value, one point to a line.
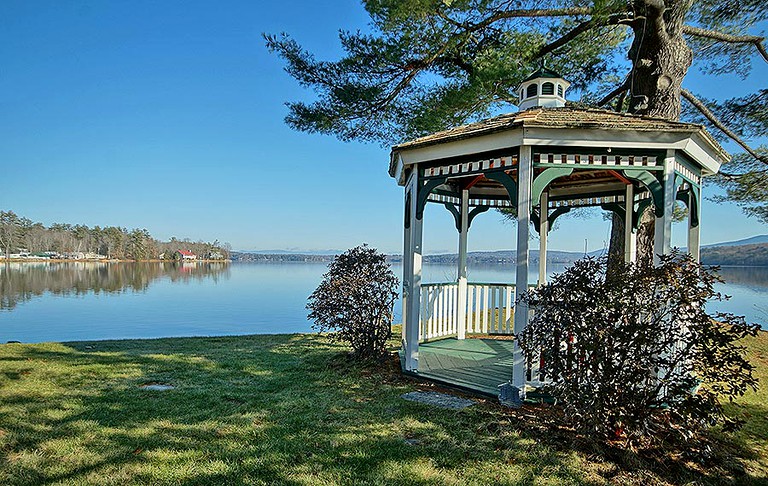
x: 87, y: 301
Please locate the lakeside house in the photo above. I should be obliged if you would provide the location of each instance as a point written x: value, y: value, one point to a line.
x: 185, y: 255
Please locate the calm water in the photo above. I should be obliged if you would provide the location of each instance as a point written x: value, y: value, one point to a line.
x: 84, y: 301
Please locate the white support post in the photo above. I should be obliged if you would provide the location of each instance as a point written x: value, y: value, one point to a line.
x: 461, y: 312
x: 663, y: 237
x: 406, y: 258
x: 543, y: 230
x: 630, y: 235
x: 693, y: 231
x: 524, y: 180
x: 414, y: 279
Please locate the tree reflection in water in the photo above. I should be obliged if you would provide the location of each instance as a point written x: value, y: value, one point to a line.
x: 20, y: 282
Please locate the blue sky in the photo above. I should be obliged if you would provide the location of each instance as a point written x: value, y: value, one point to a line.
x: 169, y: 116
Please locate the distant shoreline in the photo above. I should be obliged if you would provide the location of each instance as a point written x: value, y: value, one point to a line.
x: 104, y: 260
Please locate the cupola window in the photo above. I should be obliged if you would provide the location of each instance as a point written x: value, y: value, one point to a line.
x: 544, y: 89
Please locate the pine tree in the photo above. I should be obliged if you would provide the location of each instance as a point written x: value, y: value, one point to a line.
x: 428, y: 65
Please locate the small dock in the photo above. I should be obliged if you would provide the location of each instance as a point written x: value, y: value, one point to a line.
x: 478, y: 365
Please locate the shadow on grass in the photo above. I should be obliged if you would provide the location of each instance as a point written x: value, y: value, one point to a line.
x: 253, y: 409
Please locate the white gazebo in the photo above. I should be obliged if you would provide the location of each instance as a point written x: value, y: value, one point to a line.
x: 542, y: 162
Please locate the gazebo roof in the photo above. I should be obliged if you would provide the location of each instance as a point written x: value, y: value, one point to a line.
x: 653, y: 131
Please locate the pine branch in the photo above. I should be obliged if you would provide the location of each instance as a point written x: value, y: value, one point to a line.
x: 720, y: 125
x: 733, y: 39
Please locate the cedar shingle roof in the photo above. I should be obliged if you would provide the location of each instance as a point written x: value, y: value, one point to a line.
x: 565, y: 117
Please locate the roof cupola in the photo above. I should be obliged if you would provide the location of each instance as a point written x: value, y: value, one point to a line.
x: 542, y: 88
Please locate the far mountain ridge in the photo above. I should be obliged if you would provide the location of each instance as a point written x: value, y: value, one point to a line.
x: 752, y: 240
x: 749, y: 252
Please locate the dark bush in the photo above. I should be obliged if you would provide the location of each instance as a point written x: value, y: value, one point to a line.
x: 631, y: 352
x: 355, y: 301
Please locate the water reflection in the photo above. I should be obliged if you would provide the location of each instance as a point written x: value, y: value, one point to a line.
x: 20, y: 282
x: 79, y: 301
x: 753, y: 277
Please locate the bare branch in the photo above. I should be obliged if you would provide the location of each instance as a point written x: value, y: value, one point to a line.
x: 620, y: 101
x: 734, y: 39
x: 456, y: 61
x: 533, y: 13
x: 572, y: 34
x: 624, y: 86
x: 616, y: 19
x: 728, y: 176
x: 717, y: 123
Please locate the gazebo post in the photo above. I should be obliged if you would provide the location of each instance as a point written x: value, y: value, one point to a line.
x: 630, y: 236
x: 461, y: 312
x: 543, y: 231
x: 406, y: 260
x: 693, y: 225
x: 524, y: 180
x: 663, y: 234
x: 413, y: 277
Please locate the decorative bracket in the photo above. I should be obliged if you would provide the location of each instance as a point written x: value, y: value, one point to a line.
x: 548, y: 175
x: 507, y: 181
x: 653, y: 185
x: 556, y: 213
x: 615, y: 208
x: 693, y: 209
x: 424, y: 192
x: 457, y: 214
x: 474, y: 212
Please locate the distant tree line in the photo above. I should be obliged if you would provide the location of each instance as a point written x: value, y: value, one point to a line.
x: 751, y: 255
x: 113, y: 242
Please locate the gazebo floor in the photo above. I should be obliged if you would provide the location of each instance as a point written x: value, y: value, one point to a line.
x: 473, y: 364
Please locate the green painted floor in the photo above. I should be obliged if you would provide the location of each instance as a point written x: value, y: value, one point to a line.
x: 478, y: 365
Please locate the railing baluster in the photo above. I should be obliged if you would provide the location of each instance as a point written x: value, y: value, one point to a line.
x: 436, y: 311
x: 508, y: 313
x: 451, y: 311
x: 485, y: 308
x: 494, y: 317
x: 423, y: 316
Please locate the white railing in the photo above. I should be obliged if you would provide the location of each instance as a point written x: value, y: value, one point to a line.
x: 439, y: 304
x: 489, y: 310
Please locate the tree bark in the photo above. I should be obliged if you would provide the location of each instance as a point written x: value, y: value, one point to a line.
x: 660, y: 59
x: 645, y: 234
x: 616, y: 245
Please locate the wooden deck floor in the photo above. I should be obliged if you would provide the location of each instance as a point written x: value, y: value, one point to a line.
x: 478, y: 365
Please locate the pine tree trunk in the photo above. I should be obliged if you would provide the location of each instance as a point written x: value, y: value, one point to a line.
x: 616, y: 245
x: 645, y: 234
x: 660, y: 60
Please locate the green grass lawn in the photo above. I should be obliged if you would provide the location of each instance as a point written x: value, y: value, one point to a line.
x: 284, y: 409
